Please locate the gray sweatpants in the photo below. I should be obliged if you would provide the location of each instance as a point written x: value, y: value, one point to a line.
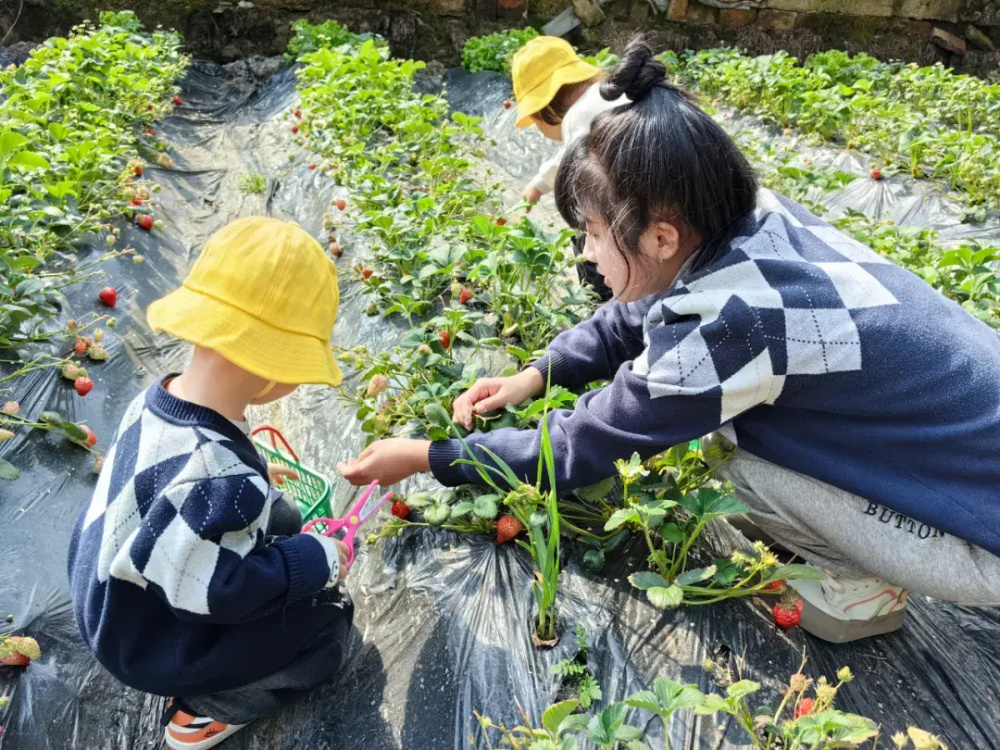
x: 851, y: 536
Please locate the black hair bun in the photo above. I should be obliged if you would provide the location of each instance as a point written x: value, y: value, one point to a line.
x: 638, y: 73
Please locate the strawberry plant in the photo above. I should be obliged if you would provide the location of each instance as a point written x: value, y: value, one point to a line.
x: 670, y: 503
x: 800, y: 722
x: 309, y: 37
x: 924, y: 120
x: 494, y: 51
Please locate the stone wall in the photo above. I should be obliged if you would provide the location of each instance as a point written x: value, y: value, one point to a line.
x: 964, y: 34
x: 961, y: 33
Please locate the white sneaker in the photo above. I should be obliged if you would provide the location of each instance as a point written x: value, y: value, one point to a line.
x: 840, y: 609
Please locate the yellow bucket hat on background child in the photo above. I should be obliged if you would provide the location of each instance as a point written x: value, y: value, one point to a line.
x: 264, y: 295
x: 540, y: 68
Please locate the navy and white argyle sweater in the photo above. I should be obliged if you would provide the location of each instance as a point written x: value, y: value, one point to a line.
x: 177, y: 588
x: 805, y: 348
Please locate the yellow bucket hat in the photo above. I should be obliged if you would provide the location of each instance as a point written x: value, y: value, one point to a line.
x: 539, y: 69
x: 264, y: 295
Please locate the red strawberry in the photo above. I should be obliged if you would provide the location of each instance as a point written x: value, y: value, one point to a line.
x: 366, y: 272
x: 295, y: 128
x: 19, y: 651
x: 312, y: 166
x: 465, y: 296
x: 150, y: 132
x: 108, y: 295
x: 178, y: 101
x: 804, y: 708
x: 81, y: 346
x: 335, y: 249
x: 11, y: 408
x: 788, y: 612
x: 444, y: 338
x: 501, y: 221
x: 138, y: 170
x: 876, y: 173
x: 506, y: 104
x: 83, y: 386
x: 400, y: 510
x: 91, y: 440
x: 298, y: 113
x: 778, y: 586
x: 341, y: 204
x: 146, y: 222
x: 508, y: 527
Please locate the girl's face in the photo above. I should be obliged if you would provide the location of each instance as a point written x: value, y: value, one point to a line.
x: 652, y: 273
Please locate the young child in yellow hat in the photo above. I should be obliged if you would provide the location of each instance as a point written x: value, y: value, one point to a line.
x: 189, y: 576
x: 558, y: 93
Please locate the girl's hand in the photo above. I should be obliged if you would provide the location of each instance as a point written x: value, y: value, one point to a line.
x: 491, y: 394
x: 531, y: 195
x: 388, y: 461
x: 279, y: 473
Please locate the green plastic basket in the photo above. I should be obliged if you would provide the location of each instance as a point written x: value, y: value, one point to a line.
x: 311, y: 491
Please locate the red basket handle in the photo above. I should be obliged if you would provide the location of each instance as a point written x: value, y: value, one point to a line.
x: 275, y: 434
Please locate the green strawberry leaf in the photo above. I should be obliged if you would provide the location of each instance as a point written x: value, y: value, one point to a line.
x: 742, y: 689
x: 74, y: 432
x: 556, y: 713
x: 594, y: 560
x: 694, y: 576
x: 437, y: 514
x: 461, y: 509
x: 645, y: 700
x: 8, y: 472
x: 621, y: 516
x: 665, y: 598
x: 628, y: 733
x: 647, y: 580
x: 486, y: 507
x: 436, y: 414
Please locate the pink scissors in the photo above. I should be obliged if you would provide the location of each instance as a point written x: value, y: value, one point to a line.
x: 346, y: 527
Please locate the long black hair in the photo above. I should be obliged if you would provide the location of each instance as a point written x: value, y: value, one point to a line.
x: 657, y: 158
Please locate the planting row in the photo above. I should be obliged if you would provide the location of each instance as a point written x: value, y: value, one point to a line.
x: 470, y: 281
x: 889, y: 119
x: 805, y: 716
x: 74, y: 117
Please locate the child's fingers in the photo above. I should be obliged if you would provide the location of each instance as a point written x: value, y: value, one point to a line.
x: 343, y: 553
x: 280, y: 473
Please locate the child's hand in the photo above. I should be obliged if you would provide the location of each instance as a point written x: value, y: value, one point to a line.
x: 531, y: 195
x: 280, y: 473
x: 345, y: 555
x: 388, y: 461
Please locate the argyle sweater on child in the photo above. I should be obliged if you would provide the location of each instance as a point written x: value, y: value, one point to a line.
x: 807, y: 349
x: 176, y: 588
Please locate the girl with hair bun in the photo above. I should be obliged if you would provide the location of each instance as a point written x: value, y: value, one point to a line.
x: 860, y: 409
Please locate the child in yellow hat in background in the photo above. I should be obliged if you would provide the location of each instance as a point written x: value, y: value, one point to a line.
x: 189, y: 576
x: 558, y: 93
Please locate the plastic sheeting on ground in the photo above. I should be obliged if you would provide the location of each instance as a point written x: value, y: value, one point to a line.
x: 443, y: 622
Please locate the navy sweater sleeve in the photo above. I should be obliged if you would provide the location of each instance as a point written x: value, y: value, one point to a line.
x: 596, y: 348
x: 652, y: 404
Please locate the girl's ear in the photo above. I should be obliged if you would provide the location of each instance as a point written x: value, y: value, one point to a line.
x: 661, y: 241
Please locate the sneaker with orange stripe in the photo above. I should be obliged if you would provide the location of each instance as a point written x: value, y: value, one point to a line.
x: 187, y: 732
